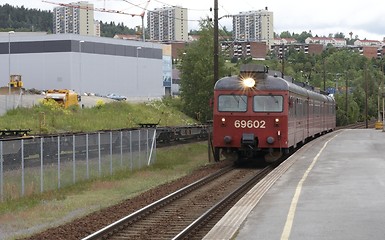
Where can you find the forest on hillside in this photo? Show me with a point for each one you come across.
(21, 19)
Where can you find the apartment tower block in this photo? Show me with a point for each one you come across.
(76, 18)
(167, 24)
(254, 26)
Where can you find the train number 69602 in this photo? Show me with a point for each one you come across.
(249, 124)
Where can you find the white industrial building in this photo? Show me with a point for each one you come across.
(85, 64)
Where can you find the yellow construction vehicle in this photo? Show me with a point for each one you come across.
(15, 81)
(64, 97)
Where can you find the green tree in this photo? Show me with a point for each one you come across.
(24, 19)
(302, 37)
(339, 35)
(285, 34)
(197, 75)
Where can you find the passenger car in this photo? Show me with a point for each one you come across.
(116, 97)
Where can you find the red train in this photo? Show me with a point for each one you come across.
(262, 114)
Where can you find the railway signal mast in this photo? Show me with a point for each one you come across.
(75, 5)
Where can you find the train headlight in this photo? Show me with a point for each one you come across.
(276, 122)
(248, 82)
(223, 121)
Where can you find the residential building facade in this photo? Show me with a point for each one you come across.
(254, 26)
(336, 42)
(242, 49)
(311, 48)
(284, 41)
(76, 18)
(167, 24)
(97, 28)
(369, 52)
(368, 43)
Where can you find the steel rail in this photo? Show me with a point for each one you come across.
(116, 226)
(184, 234)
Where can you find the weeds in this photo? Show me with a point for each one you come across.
(49, 118)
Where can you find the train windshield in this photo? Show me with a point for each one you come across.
(232, 103)
(268, 103)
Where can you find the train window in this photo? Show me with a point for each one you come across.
(268, 103)
(232, 103)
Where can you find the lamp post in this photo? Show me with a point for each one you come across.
(366, 95)
(80, 66)
(383, 111)
(346, 97)
(9, 61)
(137, 67)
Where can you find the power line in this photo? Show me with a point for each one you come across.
(191, 9)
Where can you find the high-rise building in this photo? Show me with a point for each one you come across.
(78, 19)
(254, 26)
(97, 28)
(167, 24)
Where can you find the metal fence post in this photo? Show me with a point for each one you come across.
(131, 156)
(88, 171)
(147, 145)
(152, 147)
(100, 158)
(58, 162)
(1, 172)
(139, 148)
(111, 153)
(73, 160)
(22, 168)
(155, 146)
(41, 166)
(121, 149)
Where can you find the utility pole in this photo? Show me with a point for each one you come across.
(283, 61)
(366, 95)
(346, 97)
(216, 45)
(324, 73)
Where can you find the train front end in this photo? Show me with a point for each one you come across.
(250, 119)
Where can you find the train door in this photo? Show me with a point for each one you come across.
(311, 117)
(291, 126)
(323, 114)
(300, 121)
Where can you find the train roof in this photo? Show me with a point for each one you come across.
(269, 80)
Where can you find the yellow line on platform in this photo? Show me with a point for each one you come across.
(293, 206)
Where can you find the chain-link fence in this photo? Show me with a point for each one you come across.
(34, 165)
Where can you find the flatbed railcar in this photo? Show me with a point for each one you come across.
(260, 114)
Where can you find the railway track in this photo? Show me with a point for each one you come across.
(185, 217)
(358, 125)
(183, 213)
(195, 227)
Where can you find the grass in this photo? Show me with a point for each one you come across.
(22, 216)
(42, 210)
(50, 118)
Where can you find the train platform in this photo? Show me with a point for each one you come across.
(331, 188)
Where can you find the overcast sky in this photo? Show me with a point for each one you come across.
(363, 18)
